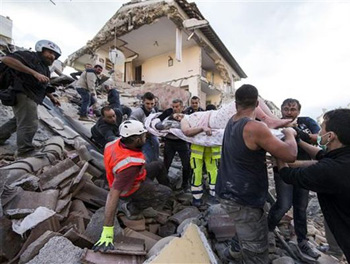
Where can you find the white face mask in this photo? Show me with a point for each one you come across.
(319, 139)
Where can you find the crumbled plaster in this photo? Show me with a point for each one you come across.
(192, 247)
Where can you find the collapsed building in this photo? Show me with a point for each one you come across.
(167, 42)
(52, 207)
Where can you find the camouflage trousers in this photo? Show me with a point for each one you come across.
(251, 231)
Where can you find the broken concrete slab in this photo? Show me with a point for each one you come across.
(91, 257)
(159, 246)
(79, 207)
(51, 178)
(137, 225)
(162, 217)
(186, 213)
(58, 250)
(182, 226)
(62, 203)
(167, 230)
(77, 220)
(283, 260)
(222, 226)
(34, 248)
(151, 235)
(129, 245)
(94, 229)
(153, 228)
(92, 194)
(149, 242)
(39, 215)
(10, 242)
(33, 200)
(27, 182)
(78, 239)
(192, 247)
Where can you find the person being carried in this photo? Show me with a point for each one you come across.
(130, 179)
(31, 76)
(106, 128)
(85, 86)
(242, 184)
(330, 176)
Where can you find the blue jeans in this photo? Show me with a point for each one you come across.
(151, 149)
(86, 101)
(288, 195)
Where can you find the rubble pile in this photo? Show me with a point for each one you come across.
(52, 206)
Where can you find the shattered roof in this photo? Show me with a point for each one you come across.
(135, 14)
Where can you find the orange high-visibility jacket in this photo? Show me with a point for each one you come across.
(118, 158)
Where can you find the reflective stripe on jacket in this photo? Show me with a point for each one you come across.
(118, 158)
(197, 151)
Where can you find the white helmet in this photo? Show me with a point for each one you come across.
(131, 128)
(47, 44)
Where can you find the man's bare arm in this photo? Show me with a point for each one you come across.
(259, 136)
(111, 206)
(302, 163)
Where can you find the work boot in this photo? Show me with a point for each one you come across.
(305, 247)
(196, 202)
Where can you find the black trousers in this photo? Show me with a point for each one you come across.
(181, 147)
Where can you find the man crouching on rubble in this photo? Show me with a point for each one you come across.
(242, 183)
(131, 179)
(330, 176)
(30, 78)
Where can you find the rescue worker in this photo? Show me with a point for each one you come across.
(31, 76)
(86, 87)
(199, 155)
(106, 128)
(130, 179)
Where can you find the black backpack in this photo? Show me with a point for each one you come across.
(7, 95)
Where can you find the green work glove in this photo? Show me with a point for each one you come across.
(106, 240)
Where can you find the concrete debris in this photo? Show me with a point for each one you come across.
(10, 242)
(137, 225)
(34, 248)
(129, 245)
(51, 178)
(63, 194)
(186, 213)
(222, 226)
(78, 239)
(149, 241)
(58, 250)
(192, 247)
(30, 221)
(91, 257)
(27, 182)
